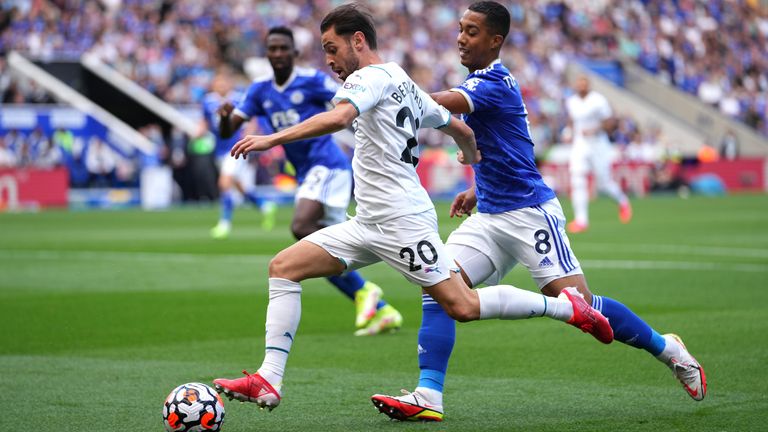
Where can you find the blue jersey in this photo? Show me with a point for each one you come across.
(306, 92)
(506, 178)
(211, 102)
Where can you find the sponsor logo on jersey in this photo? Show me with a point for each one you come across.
(421, 349)
(354, 88)
(546, 262)
(431, 269)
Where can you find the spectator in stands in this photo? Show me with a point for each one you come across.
(729, 145)
(101, 161)
(7, 156)
(14, 140)
(48, 156)
(174, 51)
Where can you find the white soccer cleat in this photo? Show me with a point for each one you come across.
(408, 407)
(685, 368)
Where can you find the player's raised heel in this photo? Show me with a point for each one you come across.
(408, 407)
(251, 388)
(686, 369)
(586, 318)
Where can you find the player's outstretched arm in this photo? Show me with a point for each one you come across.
(324, 123)
(455, 102)
(465, 139)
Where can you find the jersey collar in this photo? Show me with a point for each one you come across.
(288, 82)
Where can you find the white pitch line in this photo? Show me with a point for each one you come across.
(679, 249)
(672, 265)
(165, 257)
(154, 257)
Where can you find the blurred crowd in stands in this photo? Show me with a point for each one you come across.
(713, 49)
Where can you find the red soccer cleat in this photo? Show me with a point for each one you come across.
(409, 407)
(625, 212)
(252, 388)
(588, 319)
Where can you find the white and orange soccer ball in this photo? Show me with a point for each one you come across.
(193, 407)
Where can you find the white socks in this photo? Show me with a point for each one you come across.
(580, 199)
(283, 315)
(508, 302)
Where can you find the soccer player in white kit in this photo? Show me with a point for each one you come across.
(590, 118)
(395, 222)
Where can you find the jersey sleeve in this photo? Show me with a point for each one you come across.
(481, 94)
(435, 115)
(363, 89)
(250, 106)
(207, 114)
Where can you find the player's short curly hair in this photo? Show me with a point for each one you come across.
(348, 19)
(496, 16)
(281, 30)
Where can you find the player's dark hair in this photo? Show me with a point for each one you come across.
(496, 16)
(282, 30)
(348, 19)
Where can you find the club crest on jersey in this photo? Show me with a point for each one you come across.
(297, 97)
(432, 269)
(471, 84)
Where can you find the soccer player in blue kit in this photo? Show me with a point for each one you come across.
(234, 174)
(519, 219)
(323, 171)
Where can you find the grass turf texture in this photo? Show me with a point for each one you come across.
(103, 313)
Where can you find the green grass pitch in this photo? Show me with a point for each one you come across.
(103, 313)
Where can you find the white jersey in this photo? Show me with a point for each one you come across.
(588, 114)
(391, 109)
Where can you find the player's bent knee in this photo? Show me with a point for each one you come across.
(282, 267)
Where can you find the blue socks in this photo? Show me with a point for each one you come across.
(350, 283)
(227, 206)
(254, 198)
(437, 336)
(628, 327)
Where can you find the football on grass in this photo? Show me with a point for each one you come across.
(193, 407)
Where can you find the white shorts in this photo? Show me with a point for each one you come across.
(533, 236)
(410, 244)
(332, 188)
(594, 156)
(241, 169)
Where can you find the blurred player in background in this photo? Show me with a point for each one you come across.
(590, 121)
(395, 221)
(519, 221)
(236, 177)
(323, 171)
